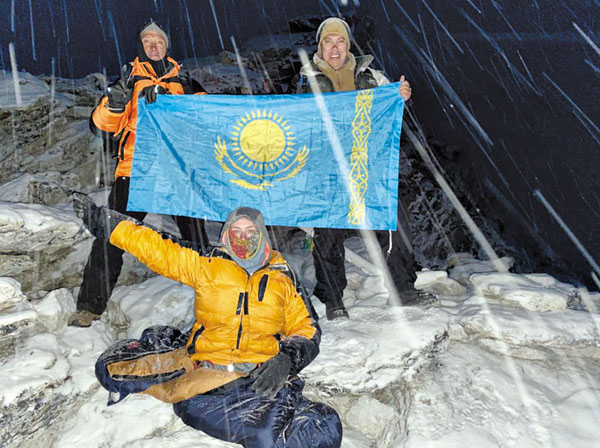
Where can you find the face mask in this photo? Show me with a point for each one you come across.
(244, 245)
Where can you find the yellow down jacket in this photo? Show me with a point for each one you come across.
(239, 317)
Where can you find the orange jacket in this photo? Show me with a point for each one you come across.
(124, 123)
(238, 317)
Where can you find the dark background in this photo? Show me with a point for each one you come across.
(513, 85)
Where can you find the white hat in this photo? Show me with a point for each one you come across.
(152, 27)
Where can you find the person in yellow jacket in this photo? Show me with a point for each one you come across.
(151, 73)
(254, 330)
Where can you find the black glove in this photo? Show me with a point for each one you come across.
(150, 92)
(272, 375)
(118, 96)
(100, 221)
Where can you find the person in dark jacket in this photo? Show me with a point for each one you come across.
(151, 73)
(333, 69)
(235, 377)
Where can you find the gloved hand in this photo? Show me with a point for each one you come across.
(100, 221)
(271, 376)
(118, 96)
(150, 92)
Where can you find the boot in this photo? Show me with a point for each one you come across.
(335, 309)
(416, 297)
(83, 318)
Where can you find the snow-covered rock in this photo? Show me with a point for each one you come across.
(476, 398)
(376, 420)
(10, 293)
(462, 272)
(438, 283)
(526, 292)
(16, 313)
(528, 328)
(27, 87)
(36, 244)
(44, 188)
(45, 379)
(55, 308)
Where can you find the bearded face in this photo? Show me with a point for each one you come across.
(244, 238)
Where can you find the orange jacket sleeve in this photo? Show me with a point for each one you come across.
(108, 121)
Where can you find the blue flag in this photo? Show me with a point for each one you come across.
(303, 160)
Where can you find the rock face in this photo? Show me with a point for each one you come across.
(41, 246)
(49, 131)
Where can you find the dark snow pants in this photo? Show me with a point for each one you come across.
(235, 413)
(329, 253)
(230, 410)
(105, 260)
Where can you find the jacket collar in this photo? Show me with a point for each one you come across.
(145, 69)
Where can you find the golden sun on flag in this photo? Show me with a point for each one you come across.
(262, 150)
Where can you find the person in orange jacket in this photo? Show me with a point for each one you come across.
(150, 74)
(255, 328)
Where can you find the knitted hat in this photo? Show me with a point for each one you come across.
(333, 25)
(152, 27)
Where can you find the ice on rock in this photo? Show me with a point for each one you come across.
(522, 291)
(55, 308)
(376, 420)
(462, 272)
(32, 89)
(16, 313)
(438, 283)
(10, 293)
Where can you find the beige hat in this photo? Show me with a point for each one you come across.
(333, 25)
(152, 27)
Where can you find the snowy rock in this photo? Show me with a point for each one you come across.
(347, 364)
(49, 131)
(523, 291)
(376, 420)
(51, 374)
(157, 301)
(16, 318)
(10, 293)
(37, 244)
(55, 308)
(225, 78)
(16, 314)
(31, 89)
(45, 188)
(462, 273)
(528, 328)
(438, 283)
(476, 398)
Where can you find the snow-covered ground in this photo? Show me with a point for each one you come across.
(501, 360)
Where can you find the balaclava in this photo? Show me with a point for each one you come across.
(160, 67)
(250, 253)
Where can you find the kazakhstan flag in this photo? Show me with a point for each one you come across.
(305, 160)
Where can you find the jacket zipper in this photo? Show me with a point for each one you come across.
(242, 307)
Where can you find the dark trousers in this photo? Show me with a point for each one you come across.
(329, 253)
(105, 261)
(235, 413)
